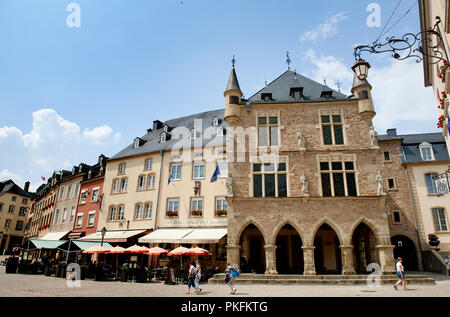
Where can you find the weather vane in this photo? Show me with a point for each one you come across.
(233, 61)
(338, 84)
(288, 60)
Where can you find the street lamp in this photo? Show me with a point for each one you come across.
(361, 68)
(103, 234)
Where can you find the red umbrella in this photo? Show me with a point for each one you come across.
(96, 249)
(117, 250)
(179, 251)
(136, 249)
(156, 251)
(198, 251)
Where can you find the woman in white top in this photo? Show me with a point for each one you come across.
(400, 274)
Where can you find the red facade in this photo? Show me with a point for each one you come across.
(88, 188)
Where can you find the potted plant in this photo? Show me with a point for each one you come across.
(433, 240)
(124, 274)
(172, 213)
(196, 212)
(440, 123)
(221, 212)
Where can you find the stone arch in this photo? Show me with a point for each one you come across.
(332, 224)
(250, 220)
(280, 226)
(364, 237)
(368, 223)
(252, 242)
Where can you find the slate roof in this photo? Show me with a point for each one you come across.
(280, 89)
(152, 138)
(411, 142)
(10, 187)
(233, 83)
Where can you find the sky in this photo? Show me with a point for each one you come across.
(68, 94)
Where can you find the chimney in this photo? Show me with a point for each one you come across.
(157, 125)
(392, 132)
(149, 130)
(26, 187)
(100, 159)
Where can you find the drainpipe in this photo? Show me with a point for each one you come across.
(161, 153)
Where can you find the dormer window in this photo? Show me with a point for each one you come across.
(90, 174)
(220, 131)
(296, 93)
(80, 167)
(73, 170)
(326, 94)
(163, 138)
(266, 96)
(426, 151)
(215, 121)
(136, 143)
(166, 128)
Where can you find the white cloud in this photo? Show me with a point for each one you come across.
(53, 143)
(101, 135)
(324, 30)
(400, 99)
(330, 68)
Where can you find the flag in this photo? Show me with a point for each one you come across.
(43, 178)
(170, 176)
(216, 173)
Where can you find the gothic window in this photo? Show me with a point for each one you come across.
(338, 178)
(269, 180)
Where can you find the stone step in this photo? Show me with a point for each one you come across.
(320, 282)
(317, 279)
(221, 276)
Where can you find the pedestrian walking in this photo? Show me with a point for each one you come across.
(198, 276)
(400, 273)
(191, 277)
(230, 274)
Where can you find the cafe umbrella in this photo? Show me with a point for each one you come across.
(180, 251)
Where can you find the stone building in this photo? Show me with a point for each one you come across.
(307, 195)
(15, 205)
(411, 163)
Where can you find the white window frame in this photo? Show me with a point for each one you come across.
(142, 179)
(90, 214)
(77, 223)
(123, 188)
(163, 138)
(83, 196)
(64, 216)
(94, 197)
(115, 185)
(69, 191)
(72, 214)
(121, 212)
(442, 221)
(267, 126)
(122, 168)
(112, 211)
(77, 190)
(174, 176)
(197, 204)
(139, 211)
(55, 221)
(221, 200)
(148, 210)
(172, 203)
(426, 146)
(151, 181)
(198, 171)
(148, 166)
(61, 193)
(215, 121)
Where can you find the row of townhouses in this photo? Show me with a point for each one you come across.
(293, 179)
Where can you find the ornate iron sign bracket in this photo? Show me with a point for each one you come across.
(427, 44)
(442, 182)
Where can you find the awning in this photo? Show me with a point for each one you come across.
(205, 235)
(77, 245)
(112, 236)
(55, 235)
(44, 244)
(165, 236)
(74, 235)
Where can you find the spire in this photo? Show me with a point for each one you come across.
(233, 83)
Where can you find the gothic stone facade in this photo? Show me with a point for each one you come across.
(329, 229)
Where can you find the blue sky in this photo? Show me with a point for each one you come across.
(69, 94)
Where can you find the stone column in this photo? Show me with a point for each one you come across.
(347, 260)
(386, 256)
(8, 238)
(233, 253)
(308, 260)
(271, 259)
